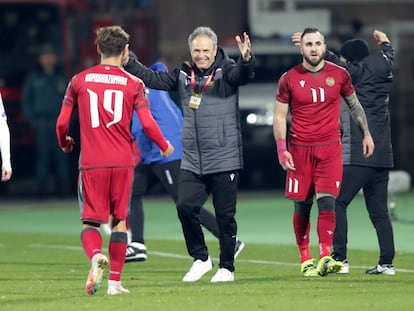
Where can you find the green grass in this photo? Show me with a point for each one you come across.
(44, 268)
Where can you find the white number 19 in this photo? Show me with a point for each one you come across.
(112, 103)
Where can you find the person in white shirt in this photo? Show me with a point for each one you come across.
(6, 170)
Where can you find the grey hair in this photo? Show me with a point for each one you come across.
(202, 31)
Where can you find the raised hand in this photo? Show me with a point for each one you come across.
(244, 46)
(380, 36)
(296, 38)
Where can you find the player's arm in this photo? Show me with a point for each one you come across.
(358, 115)
(153, 131)
(62, 124)
(150, 127)
(279, 132)
(62, 129)
(6, 170)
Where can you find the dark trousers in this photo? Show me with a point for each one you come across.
(50, 160)
(374, 182)
(193, 191)
(145, 177)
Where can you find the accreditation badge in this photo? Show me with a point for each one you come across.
(195, 101)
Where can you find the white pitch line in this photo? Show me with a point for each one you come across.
(179, 256)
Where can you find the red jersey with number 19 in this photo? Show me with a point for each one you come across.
(105, 97)
(314, 99)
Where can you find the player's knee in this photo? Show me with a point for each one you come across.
(88, 223)
(303, 208)
(119, 237)
(326, 203)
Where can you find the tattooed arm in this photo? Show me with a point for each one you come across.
(358, 114)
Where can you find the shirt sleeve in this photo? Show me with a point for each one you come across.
(283, 94)
(150, 127)
(62, 123)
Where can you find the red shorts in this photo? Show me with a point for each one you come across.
(318, 170)
(104, 192)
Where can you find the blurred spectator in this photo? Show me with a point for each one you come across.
(43, 92)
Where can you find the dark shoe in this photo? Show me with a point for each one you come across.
(136, 252)
(238, 248)
(385, 269)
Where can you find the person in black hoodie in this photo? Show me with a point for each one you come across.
(212, 143)
(372, 78)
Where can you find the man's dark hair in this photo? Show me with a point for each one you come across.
(309, 30)
(111, 40)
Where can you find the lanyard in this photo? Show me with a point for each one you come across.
(203, 89)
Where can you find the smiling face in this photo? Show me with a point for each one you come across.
(203, 52)
(313, 49)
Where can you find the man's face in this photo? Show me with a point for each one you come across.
(313, 48)
(48, 59)
(203, 52)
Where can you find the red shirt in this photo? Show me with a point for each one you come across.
(105, 97)
(314, 100)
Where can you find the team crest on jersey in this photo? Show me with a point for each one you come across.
(330, 81)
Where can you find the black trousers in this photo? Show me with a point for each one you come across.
(145, 177)
(374, 182)
(193, 191)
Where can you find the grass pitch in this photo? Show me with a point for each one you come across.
(44, 268)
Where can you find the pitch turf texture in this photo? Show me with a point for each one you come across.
(44, 268)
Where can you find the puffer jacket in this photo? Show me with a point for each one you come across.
(211, 134)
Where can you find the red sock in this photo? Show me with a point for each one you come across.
(326, 228)
(117, 250)
(301, 226)
(91, 241)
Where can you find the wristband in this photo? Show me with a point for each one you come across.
(281, 148)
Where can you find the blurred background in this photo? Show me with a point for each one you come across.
(159, 30)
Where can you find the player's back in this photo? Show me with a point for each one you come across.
(106, 97)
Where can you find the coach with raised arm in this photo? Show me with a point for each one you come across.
(212, 142)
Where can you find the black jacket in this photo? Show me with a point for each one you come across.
(372, 78)
(211, 134)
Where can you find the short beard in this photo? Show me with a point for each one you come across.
(313, 63)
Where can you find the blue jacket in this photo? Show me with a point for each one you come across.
(170, 120)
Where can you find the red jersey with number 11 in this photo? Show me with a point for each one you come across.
(314, 99)
(105, 97)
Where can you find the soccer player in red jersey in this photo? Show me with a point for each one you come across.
(105, 97)
(312, 92)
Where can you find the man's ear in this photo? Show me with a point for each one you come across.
(98, 49)
(125, 52)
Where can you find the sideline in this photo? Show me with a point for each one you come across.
(180, 256)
